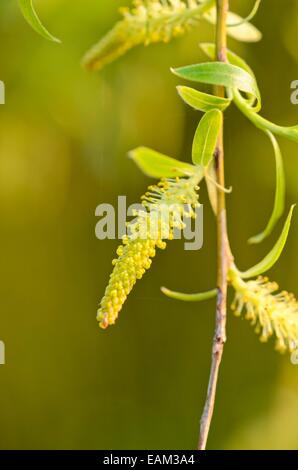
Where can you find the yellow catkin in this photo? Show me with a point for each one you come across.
(270, 312)
(146, 22)
(163, 208)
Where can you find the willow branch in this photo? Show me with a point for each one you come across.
(223, 252)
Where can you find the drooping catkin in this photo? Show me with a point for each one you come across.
(163, 209)
(270, 312)
(148, 21)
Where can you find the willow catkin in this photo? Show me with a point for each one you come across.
(163, 209)
(270, 312)
(148, 21)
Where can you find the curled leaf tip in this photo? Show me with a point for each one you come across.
(32, 18)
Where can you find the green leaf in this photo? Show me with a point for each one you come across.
(210, 50)
(31, 17)
(244, 32)
(189, 297)
(156, 165)
(206, 136)
(202, 101)
(222, 74)
(279, 201)
(273, 255)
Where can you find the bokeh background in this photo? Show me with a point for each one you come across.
(64, 136)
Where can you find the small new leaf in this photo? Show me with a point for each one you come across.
(156, 165)
(279, 200)
(31, 17)
(205, 139)
(273, 255)
(202, 101)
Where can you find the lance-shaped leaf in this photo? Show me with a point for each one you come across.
(206, 136)
(156, 165)
(189, 297)
(222, 74)
(239, 28)
(273, 255)
(210, 50)
(279, 200)
(202, 101)
(31, 17)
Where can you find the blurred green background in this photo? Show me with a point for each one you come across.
(64, 136)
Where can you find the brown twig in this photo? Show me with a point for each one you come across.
(223, 252)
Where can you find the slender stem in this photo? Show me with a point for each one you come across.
(223, 251)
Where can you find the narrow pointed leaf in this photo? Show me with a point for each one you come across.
(252, 100)
(205, 139)
(202, 101)
(222, 74)
(189, 297)
(244, 32)
(279, 201)
(273, 255)
(31, 17)
(156, 165)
